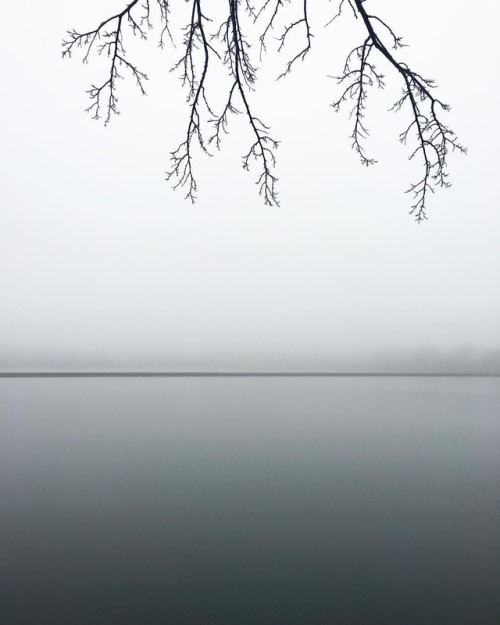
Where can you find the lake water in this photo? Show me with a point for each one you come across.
(248, 501)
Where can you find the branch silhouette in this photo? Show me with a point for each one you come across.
(228, 44)
(434, 140)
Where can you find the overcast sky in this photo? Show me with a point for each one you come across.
(103, 264)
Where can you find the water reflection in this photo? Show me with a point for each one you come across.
(249, 501)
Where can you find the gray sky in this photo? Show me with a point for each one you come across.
(103, 264)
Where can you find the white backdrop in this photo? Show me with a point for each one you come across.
(103, 264)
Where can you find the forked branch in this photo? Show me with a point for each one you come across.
(237, 60)
(107, 39)
(229, 44)
(434, 140)
(193, 75)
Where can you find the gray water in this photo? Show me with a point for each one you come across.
(245, 501)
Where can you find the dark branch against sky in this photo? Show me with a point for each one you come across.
(206, 42)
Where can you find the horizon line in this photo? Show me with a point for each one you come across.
(235, 374)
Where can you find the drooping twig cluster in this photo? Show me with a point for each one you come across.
(226, 42)
(243, 75)
(107, 40)
(195, 38)
(434, 140)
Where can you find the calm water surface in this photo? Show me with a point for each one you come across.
(244, 501)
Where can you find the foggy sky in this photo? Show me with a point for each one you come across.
(102, 263)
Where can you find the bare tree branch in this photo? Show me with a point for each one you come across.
(237, 59)
(107, 39)
(304, 20)
(195, 78)
(229, 44)
(434, 139)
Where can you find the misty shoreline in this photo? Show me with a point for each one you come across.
(238, 374)
(164, 361)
